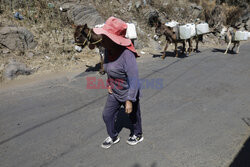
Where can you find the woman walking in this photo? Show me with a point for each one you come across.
(124, 89)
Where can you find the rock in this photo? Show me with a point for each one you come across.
(152, 17)
(13, 69)
(30, 55)
(195, 6)
(245, 17)
(196, 10)
(17, 38)
(247, 25)
(81, 15)
(1, 67)
(51, 5)
(155, 44)
(138, 4)
(64, 7)
(130, 6)
(196, 13)
(18, 16)
(138, 44)
(238, 25)
(5, 51)
(121, 1)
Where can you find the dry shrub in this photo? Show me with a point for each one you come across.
(233, 14)
(174, 10)
(208, 5)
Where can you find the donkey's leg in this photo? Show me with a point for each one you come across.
(164, 51)
(197, 43)
(238, 47)
(229, 43)
(175, 49)
(184, 47)
(102, 69)
(190, 49)
(233, 47)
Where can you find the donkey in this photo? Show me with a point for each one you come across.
(197, 39)
(85, 36)
(171, 37)
(227, 33)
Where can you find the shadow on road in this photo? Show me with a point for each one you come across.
(154, 164)
(90, 69)
(243, 157)
(170, 54)
(223, 50)
(123, 121)
(97, 67)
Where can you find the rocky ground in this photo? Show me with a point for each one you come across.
(40, 39)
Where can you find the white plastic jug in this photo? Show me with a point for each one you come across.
(202, 28)
(193, 29)
(185, 32)
(131, 31)
(241, 36)
(99, 25)
(171, 24)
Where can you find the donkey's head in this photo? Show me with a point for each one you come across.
(223, 31)
(84, 35)
(81, 36)
(158, 30)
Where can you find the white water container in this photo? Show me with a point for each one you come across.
(171, 24)
(241, 36)
(131, 31)
(246, 35)
(99, 25)
(202, 28)
(193, 29)
(185, 32)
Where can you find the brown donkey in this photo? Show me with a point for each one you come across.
(171, 37)
(85, 36)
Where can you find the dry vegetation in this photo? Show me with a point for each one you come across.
(54, 33)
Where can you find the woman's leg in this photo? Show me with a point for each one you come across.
(109, 115)
(135, 118)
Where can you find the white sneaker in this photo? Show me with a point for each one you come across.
(108, 142)
(135, 140)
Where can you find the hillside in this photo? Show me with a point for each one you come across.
(40, 38)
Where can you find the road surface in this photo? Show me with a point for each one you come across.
(194, 119)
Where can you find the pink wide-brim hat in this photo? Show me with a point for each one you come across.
(116, 29)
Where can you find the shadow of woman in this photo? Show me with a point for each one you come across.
(97, 67)
(123, 121)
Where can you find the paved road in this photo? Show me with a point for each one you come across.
(195, 120)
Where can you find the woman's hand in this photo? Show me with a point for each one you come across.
(128, 107)
(109, 90)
